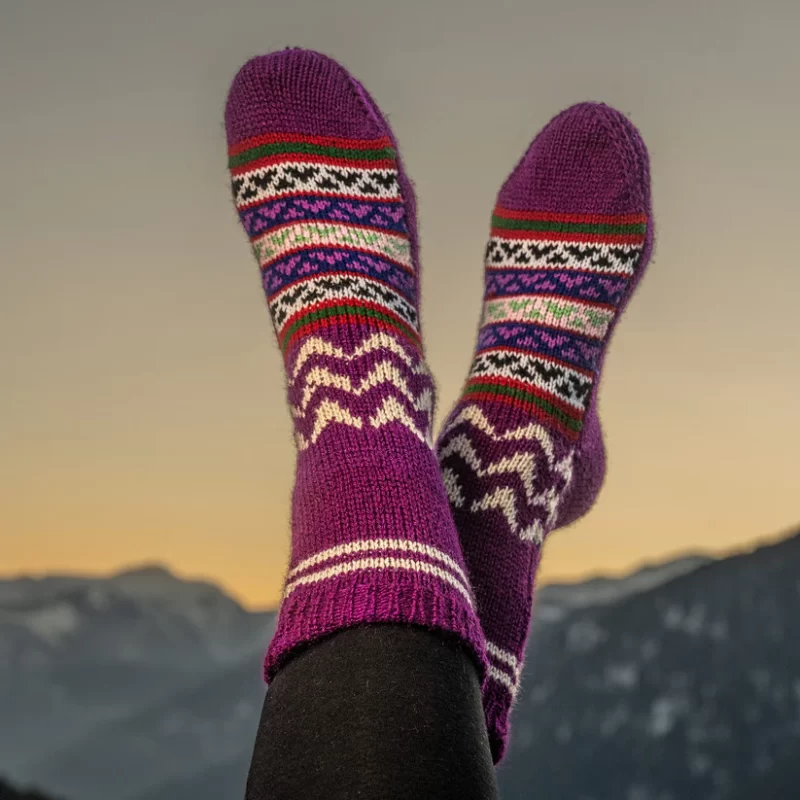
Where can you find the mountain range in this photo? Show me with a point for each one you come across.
(678, 682)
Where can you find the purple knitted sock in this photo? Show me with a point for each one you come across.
(330, 213)
(522, 452)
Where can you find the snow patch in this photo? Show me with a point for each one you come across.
(584, 636)
(664, 714)
(622, 676)
(51, 624)
(564, 732)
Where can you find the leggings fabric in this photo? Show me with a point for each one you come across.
(384, 712)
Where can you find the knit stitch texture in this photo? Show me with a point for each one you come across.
(522, 452)
(322, 195)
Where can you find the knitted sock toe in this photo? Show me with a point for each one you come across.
(522, 452)
(329, 211)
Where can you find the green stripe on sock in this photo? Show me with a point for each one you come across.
(528, 397)
(566, 227)
(335, 311)
(306, 148)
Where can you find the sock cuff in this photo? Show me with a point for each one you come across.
(319, 609)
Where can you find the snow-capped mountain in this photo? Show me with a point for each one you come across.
(689, 690)
(555, 600)
(146, 615)
(76, 652)
(679, 682)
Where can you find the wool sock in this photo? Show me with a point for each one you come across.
(522, 452)
(330, 213)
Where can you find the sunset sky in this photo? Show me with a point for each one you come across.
(142, 415)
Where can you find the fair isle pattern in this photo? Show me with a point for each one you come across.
(524, 483)
(375, 344)
(327, 224)
(384, 215)
(321, 260)
(334, 289)
(553, 285)
(328, 227)
(295, 178)
(298, 236)
(522, 451)
(329, 384)
(570, 384)
(599, 289)
(330, 215)
(590, 319)
(605, 259)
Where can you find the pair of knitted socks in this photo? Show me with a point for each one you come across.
(388, 526)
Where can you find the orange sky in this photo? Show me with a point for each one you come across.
(142, 414)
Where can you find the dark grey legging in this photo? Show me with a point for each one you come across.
(379, 712)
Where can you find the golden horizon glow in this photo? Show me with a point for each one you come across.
(142, 415)
(254, 599)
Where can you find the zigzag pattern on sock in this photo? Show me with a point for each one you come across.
(330, 214)
(327, 225)
(524, 484)
(521, 452)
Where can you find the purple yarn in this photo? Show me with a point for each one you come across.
(373, 539)
(515, 475)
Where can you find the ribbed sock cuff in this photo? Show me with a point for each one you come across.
(320, 609)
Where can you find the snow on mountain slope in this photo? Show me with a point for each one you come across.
(679, 681)
(555, 600)
(77, 652)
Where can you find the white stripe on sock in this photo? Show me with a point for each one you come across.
(504, 678)
(384, 562)
(506, 657)
(365, 545)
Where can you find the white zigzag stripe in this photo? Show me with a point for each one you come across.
(384, 372)
(328, 412)
(505, 657)
(530, 432)
(315, 346)
(409, 545)
(504, 499)
(384, 562)
(504, 678)
(392, 411)
(454, 494)
(520, 463)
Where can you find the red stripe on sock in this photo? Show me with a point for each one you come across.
(587, 219)
(322, 141)
(346, 321)
(310, 158)
(582, 238)
(531, 388)
(356, 197)
(529, 409)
